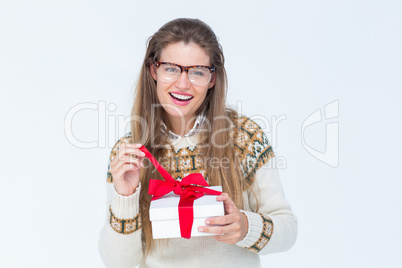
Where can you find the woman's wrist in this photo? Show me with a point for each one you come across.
(126, 207)
(125, 192)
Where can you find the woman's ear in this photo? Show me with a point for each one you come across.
(213, 80)
(152, 68)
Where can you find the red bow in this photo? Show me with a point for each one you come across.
(187, 189)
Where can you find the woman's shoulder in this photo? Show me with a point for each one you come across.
(246, 131)
(252, 146)
(243, 123)
(124, 139)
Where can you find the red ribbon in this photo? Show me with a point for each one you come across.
(187, 189)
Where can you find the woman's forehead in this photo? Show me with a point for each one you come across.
(185, 54)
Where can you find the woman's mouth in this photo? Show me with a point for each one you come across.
(180, 99)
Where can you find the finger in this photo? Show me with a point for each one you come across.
(127, 167)
(118, 174)
(137, 162)
(219, 230)
(223, 220)
(127, 160)
(227, 238)
(233, 228)
(124, 158)
(126, 148)
(229, 205)
(133, 145)
(134, 161)
(129, 151)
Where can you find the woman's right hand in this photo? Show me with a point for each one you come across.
(125, 168)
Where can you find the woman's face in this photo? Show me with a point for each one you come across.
(181, 98)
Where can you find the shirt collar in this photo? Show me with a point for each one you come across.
(196, 128)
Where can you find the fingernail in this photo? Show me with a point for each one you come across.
(200, 229)
(207, 222)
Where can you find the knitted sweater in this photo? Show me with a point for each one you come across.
(271, 228)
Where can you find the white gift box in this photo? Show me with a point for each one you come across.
(164, 214)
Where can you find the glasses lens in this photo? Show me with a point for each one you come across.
(169, 73)
(199, 76)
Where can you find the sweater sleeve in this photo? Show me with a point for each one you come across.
(120, 243)
(273, 227)
(272, 224)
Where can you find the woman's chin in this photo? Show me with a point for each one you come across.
(176, 114)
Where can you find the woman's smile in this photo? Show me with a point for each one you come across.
(181, 99)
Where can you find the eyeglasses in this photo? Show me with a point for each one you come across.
(199, 75)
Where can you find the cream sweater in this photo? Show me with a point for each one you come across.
(273, 228)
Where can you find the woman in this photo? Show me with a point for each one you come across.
(179, 114)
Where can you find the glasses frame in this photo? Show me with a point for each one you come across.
(186, 69)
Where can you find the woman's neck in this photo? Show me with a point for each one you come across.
(181, 126)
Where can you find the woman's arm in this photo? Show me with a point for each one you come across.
(120, 243)
(273, 227)
(270, 228)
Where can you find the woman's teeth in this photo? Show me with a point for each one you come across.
(181, 97)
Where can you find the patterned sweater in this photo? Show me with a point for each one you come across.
(272, 228)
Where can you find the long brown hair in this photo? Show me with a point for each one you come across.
(148, 116)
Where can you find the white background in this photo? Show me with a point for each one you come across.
(283, 58)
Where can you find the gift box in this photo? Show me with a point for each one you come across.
(178, 208)
(164, 214)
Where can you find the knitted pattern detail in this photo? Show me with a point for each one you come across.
(252, 146)
(267, 230)
(183, 162)
(124, 226)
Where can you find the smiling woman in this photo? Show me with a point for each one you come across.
(181, 94)
(184, 122)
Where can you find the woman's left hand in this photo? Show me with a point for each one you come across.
(232, 227)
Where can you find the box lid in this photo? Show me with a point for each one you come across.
(166, 207)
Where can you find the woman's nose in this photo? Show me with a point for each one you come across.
(183, 81)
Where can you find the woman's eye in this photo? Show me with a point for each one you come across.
(199, 72)
(170, 70)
